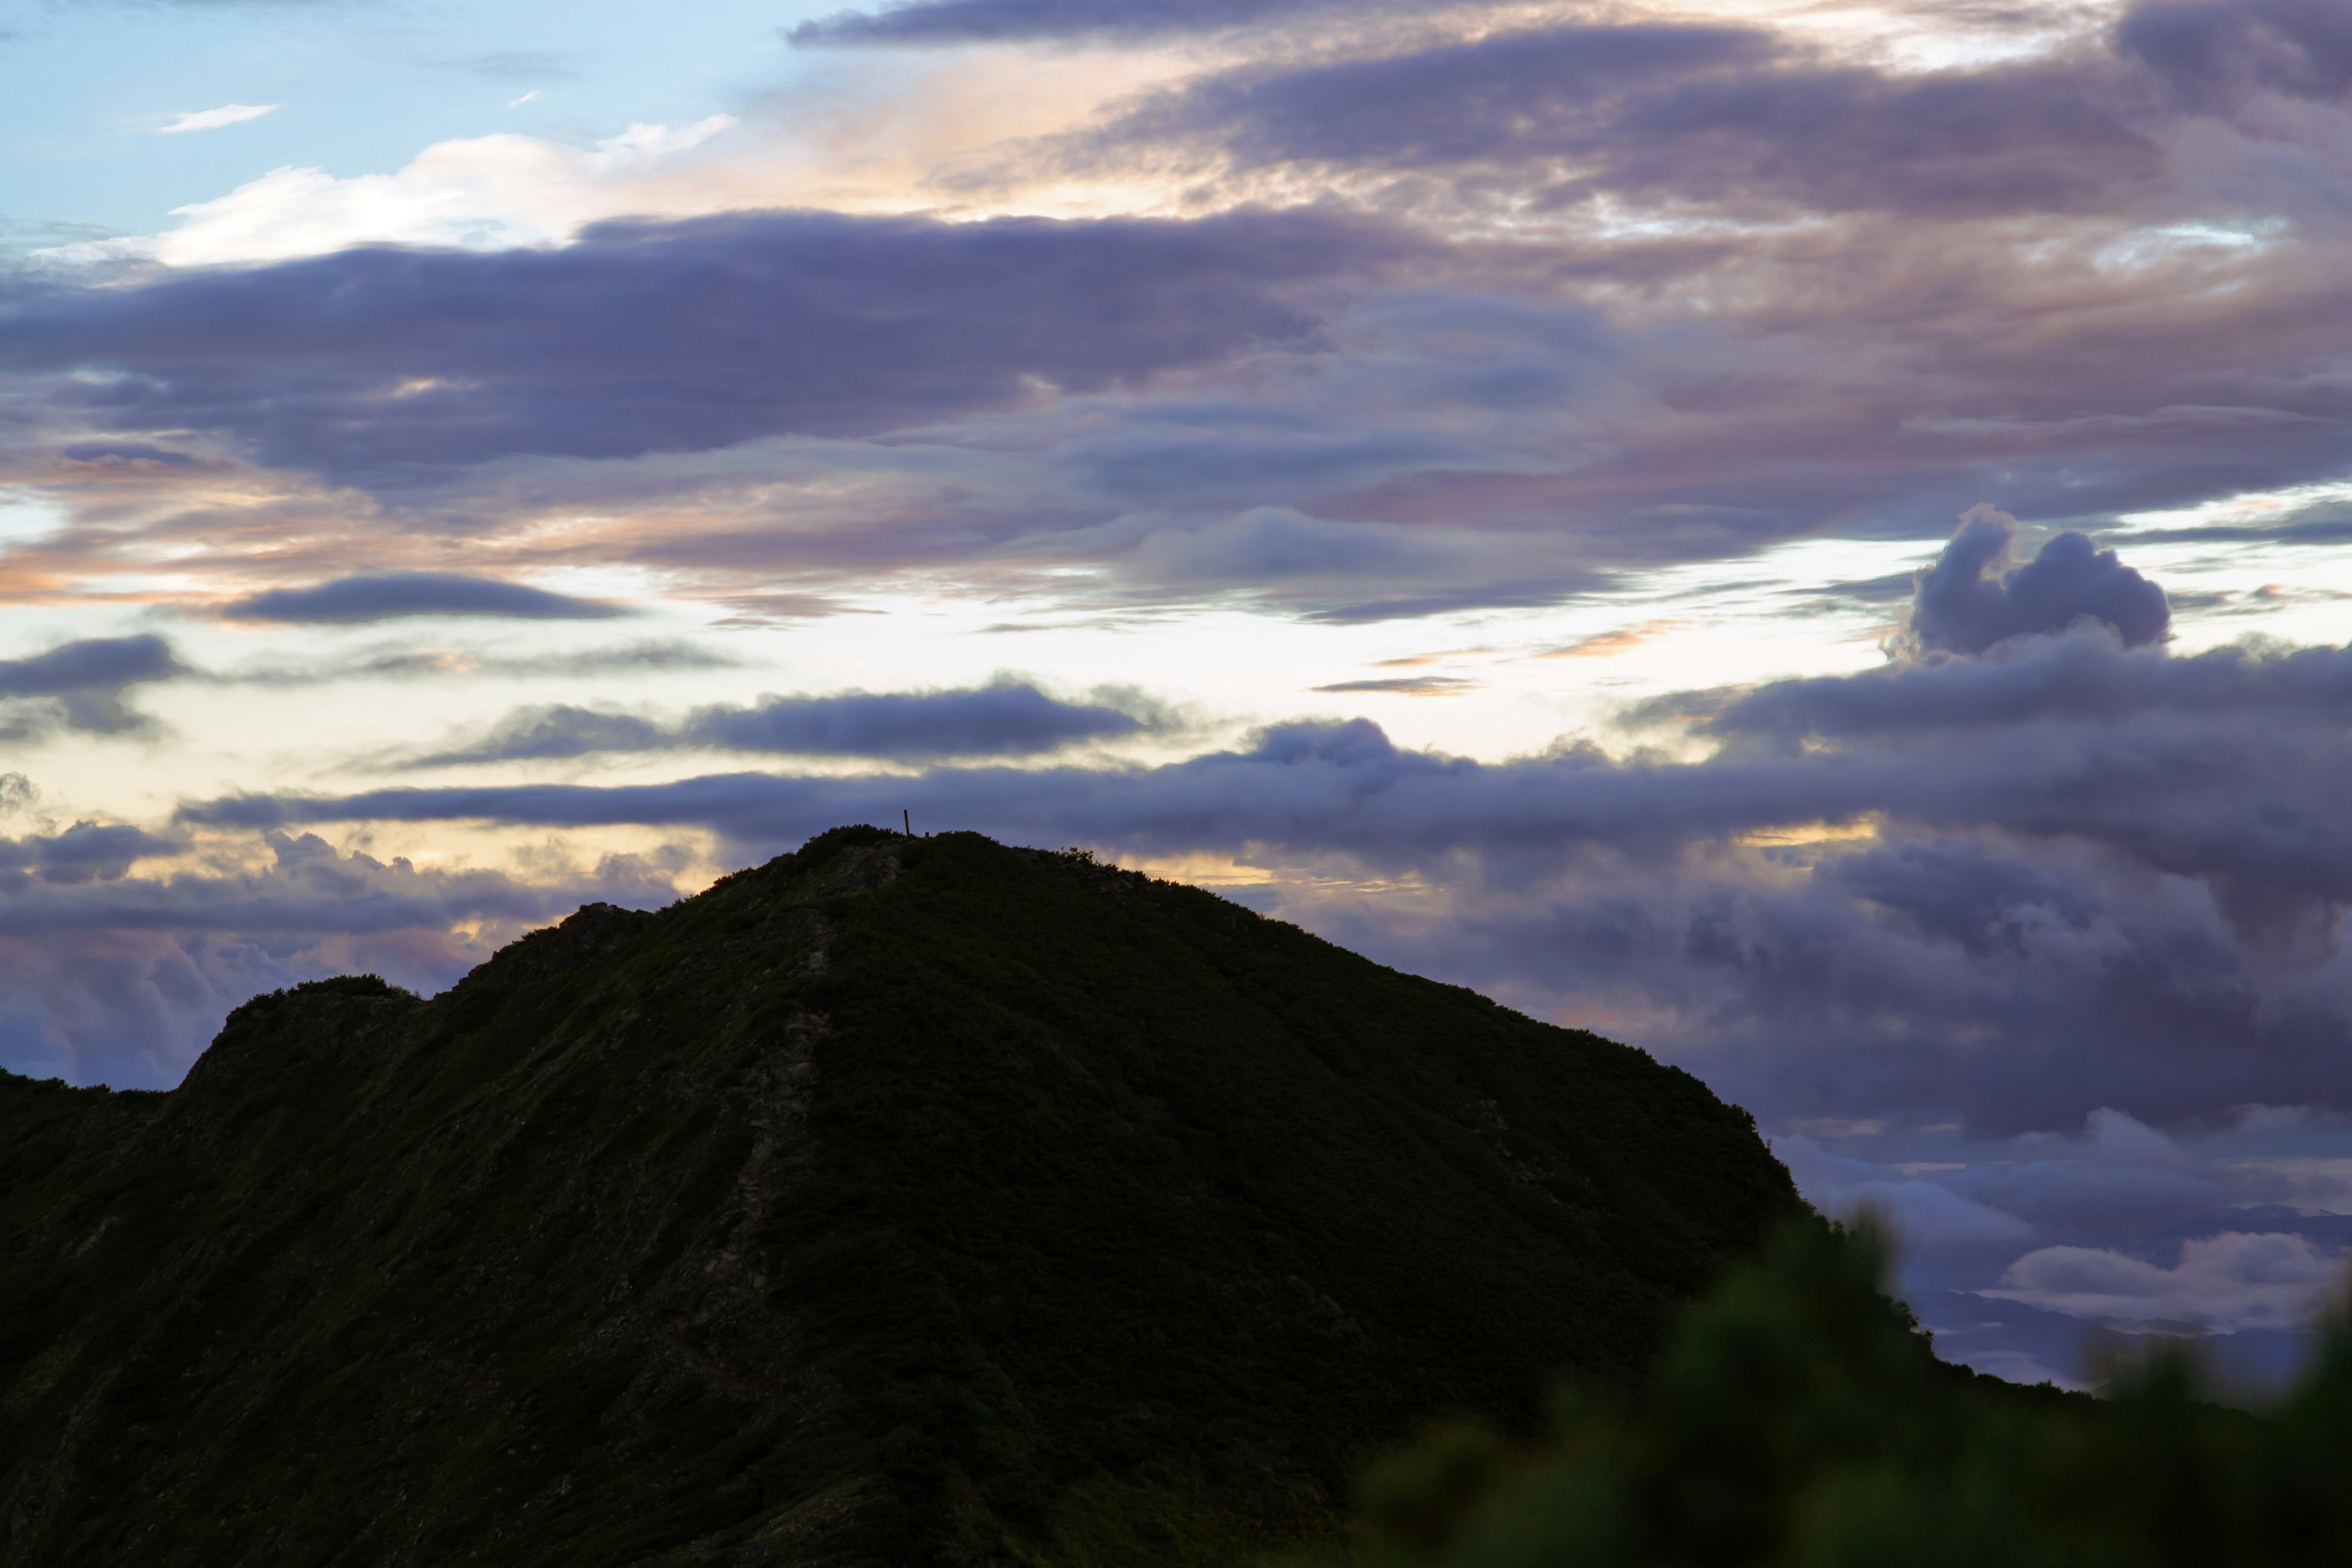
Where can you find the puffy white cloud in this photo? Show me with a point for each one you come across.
(485, 191)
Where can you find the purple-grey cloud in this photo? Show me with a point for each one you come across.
(1404, 686)
(81, 685)
(685, 336)
(86, 852)
(2071, 683)
(1974, 596)
(1271, 407)
(1007, 718)
(1709, 112)
(2085, 919)
(388, 596)
(2219, 51)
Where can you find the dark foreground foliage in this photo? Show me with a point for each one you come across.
(904, 1201)
(1800, 1421)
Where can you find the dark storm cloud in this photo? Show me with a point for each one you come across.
(1696, 111)
(385, 595)
(1974, 596)
(1009, 719)
(81, 685)
(673, 337)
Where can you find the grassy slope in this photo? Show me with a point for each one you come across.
(900, 1201)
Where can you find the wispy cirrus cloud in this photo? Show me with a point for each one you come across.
(215, 119)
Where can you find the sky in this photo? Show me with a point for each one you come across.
(1809, 537)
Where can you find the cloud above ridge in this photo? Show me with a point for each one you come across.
(1005, 718)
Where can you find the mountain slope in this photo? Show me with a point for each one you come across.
(899, 1201)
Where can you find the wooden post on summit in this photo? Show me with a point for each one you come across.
(907, 822)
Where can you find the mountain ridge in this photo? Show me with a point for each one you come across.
(901, 1200)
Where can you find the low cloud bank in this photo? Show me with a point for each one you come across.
(2227, 1282)
(2008, 889)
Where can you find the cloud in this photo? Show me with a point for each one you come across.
(401, 662)
(541, 735)
(1609, 644)
(214, 118)
(2229, 1281)
(1584, 300)
(678, 337)
(2217, 52)
(384, 596)
(1960, 609)
(2082, 679)
(1007, 718)
(86, 852)
(1406, 686)
(1684, 110)
(122, 979)
(81, 685)
(1923, 1211)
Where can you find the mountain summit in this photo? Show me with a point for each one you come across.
(900, 1201)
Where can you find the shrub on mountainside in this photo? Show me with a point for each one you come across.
(1802, 1420)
